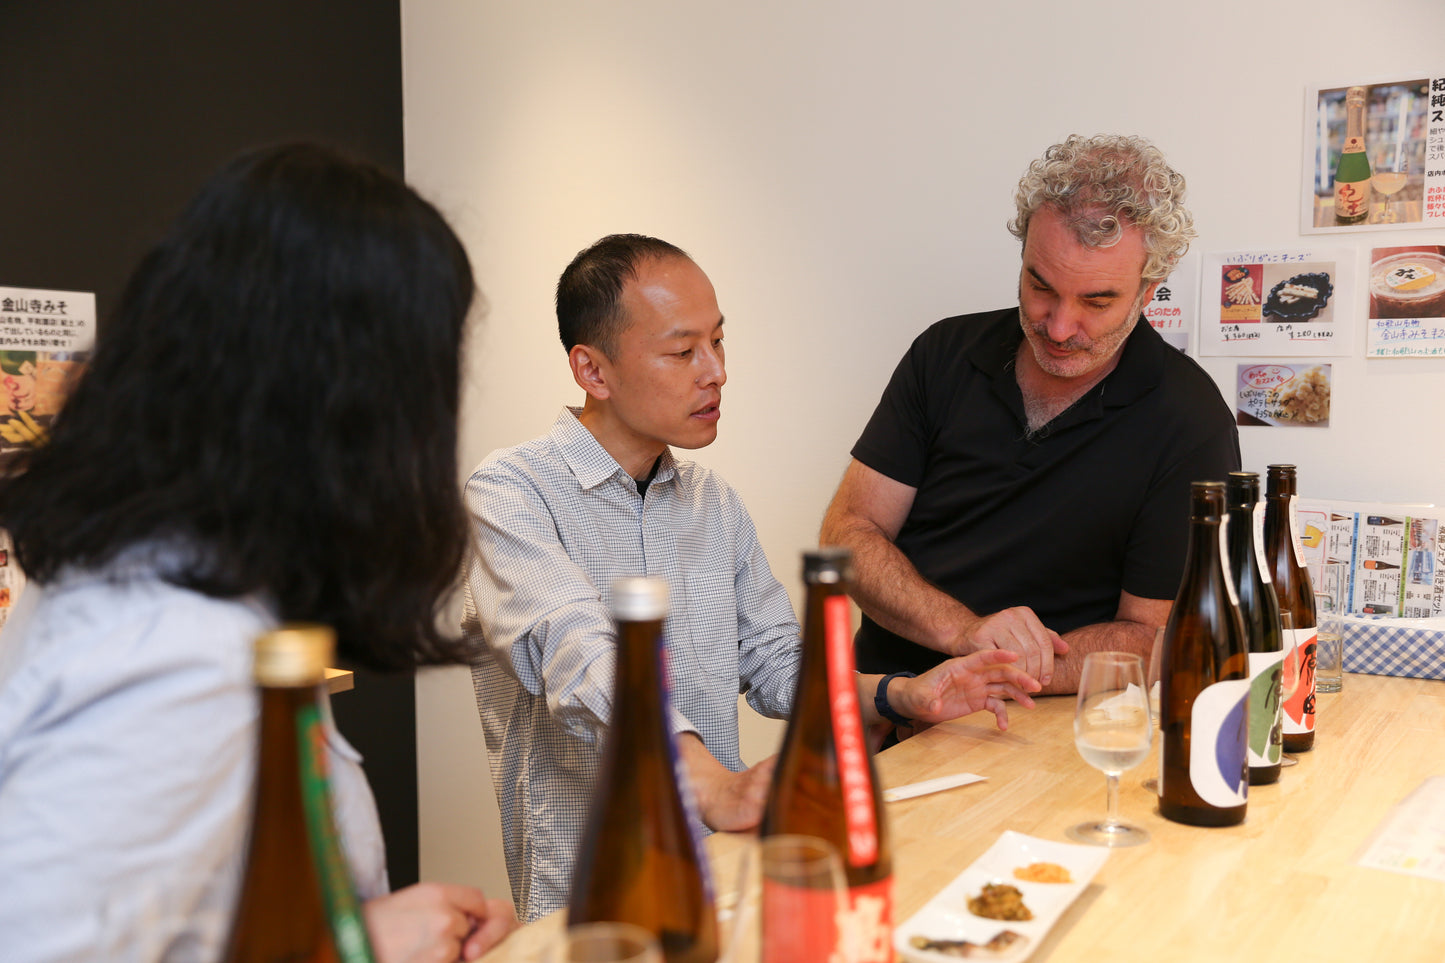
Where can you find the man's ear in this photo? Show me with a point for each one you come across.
(589, 370)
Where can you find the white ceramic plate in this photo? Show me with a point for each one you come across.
(946, 916)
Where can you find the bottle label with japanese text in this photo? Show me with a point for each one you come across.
(1299, 708)
(343, 910)
(1266, 731)
(801, 923)
(859, 814)
(1218, 764)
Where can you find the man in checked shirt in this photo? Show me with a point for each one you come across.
(601, 495)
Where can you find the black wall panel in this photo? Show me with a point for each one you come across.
(112, 112)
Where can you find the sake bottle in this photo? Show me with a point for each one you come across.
(1352, 171)
(1204, 683)
(1284, 555)
(825, 784)
(297, 901)
(1260, 611)
(641, 860)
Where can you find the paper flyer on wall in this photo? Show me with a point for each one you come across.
(12, 580)
(1280, 395)
(1391, 558)
(1172, 309)
(1374, 155)
(1294, 302)
(1406, 310)
(45, 339)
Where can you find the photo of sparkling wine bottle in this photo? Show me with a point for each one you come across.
(1204, 683)
(297, 901)
(1352, 172)
(825, 784)
(1284, 555)
(641, 860)
(1259, 608)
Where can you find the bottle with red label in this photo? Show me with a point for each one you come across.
(825, 784)
(1284, 553)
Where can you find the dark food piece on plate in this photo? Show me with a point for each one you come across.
(963, 949)
(1000, 901)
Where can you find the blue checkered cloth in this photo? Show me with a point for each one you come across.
(1388, 646)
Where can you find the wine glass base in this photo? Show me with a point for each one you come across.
(1286, 760)
(1100, 832)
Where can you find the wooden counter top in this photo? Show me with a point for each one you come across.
(1282, 886)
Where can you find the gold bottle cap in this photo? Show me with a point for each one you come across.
(639, 599)
(294, 655)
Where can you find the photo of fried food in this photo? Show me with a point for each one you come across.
(1305, 398)
(1000, 901)
(1043, 873)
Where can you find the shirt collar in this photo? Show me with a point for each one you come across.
(590, 462)
(1141, 363)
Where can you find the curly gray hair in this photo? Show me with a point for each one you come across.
(1101, 184)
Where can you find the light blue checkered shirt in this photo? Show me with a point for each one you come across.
(555, 521)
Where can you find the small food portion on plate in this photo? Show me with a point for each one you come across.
(1000, 901)
(1043, 873)
(966, 950)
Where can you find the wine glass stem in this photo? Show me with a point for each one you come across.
(1112, 780)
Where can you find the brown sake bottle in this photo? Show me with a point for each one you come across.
(297, 901)
(1260, 610)
(825, 784)
(1204, 684)
(1284, 554)
(641, 861)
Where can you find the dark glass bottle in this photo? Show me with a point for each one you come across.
(1259, 609)
(297, 901)
(641, 861)
(825, 784)
(1284, 554)
(1204, 685)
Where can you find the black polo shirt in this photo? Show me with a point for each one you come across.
(1095, 503)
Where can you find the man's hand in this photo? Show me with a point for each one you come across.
(726, 800)
(436, 923)
(957, 687)
(1015, 630)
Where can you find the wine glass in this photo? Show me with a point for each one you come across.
(605, 943)
(1112, 731)
(1389, 168)
(794, 892)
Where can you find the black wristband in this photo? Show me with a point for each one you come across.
(880, 699)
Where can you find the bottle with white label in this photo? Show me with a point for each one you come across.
(1260, 610)
(1284, 556)
(825, 784)
(1204, 684)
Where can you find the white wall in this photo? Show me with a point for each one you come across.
(843, 172)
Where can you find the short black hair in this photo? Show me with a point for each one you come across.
(589, 293)
(277, 391)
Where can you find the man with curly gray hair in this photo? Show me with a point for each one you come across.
(1024, 482)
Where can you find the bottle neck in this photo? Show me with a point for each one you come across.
(638, 691)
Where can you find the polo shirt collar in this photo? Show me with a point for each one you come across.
(1140, 365)
(589, 461)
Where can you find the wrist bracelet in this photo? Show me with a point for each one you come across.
(880, 699)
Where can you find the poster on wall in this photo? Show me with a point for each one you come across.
(1171, 311)
(1280, 395)
(1374, 156)
(1290, 303)
(1406, 309)
(45, 339)
(11, 578)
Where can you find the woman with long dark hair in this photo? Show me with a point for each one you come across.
(266, 433)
